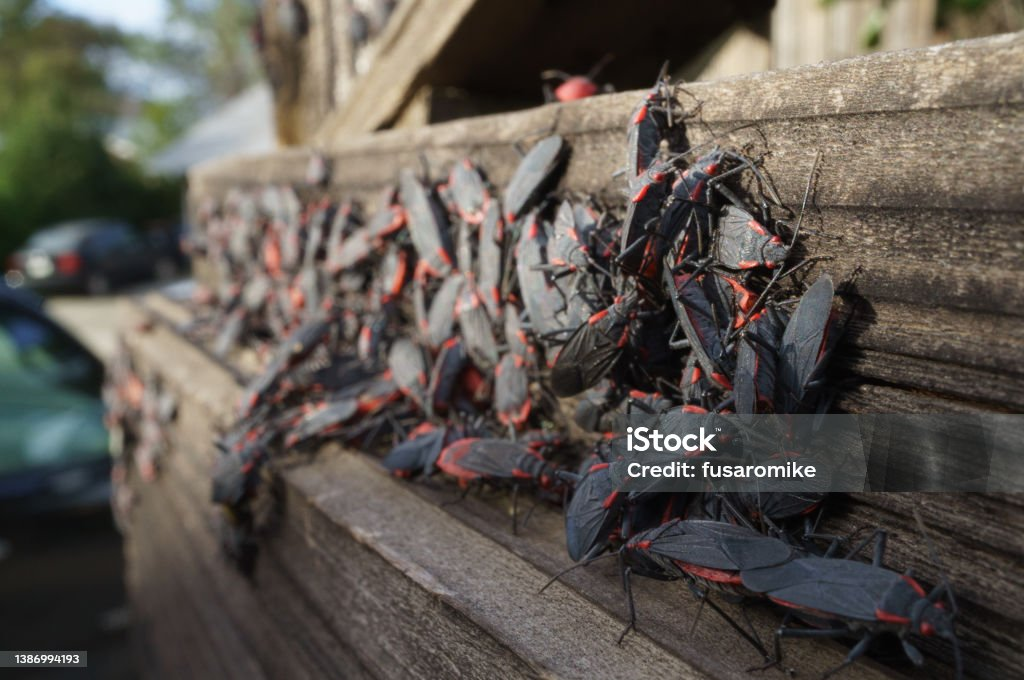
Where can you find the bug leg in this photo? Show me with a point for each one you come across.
(461, 497)
(753, 167)
(855, 653)
(704, 597)
(529, 513)
(879, 536)
(630, 604)
(515, 510)
(787, 632)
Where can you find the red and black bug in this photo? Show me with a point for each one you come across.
(436, 326)
(498, 462)
(512, 401)
(573, 87)
(805, 348)
(648, 126)
(594, 347)
(469, 193)
(409, 369)
(394, 274)
(323, 419)
(476, 328)
(418, 454)
(354, 250)
(545, 303)
(343, 223)
(444, 378)
(847, 598)
(389, 218)
(756, 364)
(705, 326)
(741, 242)
(490, 259)
(516, 337)
(292, 350)
(638, 250)
(593, 512)
(428, 225)
(533, 175)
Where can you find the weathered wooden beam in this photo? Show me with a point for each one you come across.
(917, 197)
(365, 572)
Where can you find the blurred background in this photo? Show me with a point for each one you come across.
(105, 104)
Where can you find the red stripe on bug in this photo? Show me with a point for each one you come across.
(713, 575)
(915, 585)
(445, 257)
(886, 617)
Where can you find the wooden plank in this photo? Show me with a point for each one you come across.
(410, 43)
(350, 531)
(175, 538)
(932, 257)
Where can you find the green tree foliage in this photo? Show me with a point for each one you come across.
(208, 50)
(56, 107)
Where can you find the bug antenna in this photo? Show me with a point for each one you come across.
(696, 618)
(807, 195)
(958, 659)
(599, 66)
(574, 567)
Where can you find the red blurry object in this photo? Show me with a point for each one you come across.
(577, 87)
(68, 263)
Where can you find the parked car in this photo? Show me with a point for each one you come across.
(93, 255)
(54, 451)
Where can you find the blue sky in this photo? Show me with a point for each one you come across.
(146, 16)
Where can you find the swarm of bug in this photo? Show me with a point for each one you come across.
(446, 326)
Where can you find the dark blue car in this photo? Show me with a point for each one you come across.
(54, 451)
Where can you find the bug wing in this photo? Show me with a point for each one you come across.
(845, 588)
(415, 456)
(736, 244)
(467, 188)
(353, 250)
(757, 365)
(409, 368)
(544, 302)
(591, 513)
(532, 173)
(803, 342)
(476, 328)
(511, 390)
(317, 422)
(489, 261)
(428, 223)
(699, 321)
(441, 317)
(445, 374)
(583, 360)
(494, 458)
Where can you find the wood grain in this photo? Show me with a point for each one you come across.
(362, 561)
(917, 203)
